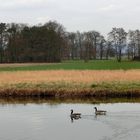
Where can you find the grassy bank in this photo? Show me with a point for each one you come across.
(64, 89)
(70, 83)
(71, 79)
(73, 65)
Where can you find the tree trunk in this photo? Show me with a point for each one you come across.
(120, 55)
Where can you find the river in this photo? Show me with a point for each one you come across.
(51, 121)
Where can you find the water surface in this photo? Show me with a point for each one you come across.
(51, 121)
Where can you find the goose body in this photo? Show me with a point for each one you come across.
(99, 112)
(75, 115)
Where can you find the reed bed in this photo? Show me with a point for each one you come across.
(78, 76)
(70, 83)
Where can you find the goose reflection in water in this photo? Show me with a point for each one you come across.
(75, 116)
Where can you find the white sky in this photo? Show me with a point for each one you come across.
(83, 15)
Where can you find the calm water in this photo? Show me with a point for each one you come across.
(48, 121)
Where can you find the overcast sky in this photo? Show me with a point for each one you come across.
(83, 15)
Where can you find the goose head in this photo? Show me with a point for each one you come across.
(95, 108)
(71, 111)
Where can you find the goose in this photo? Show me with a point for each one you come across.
(75, 115)
(99, 112)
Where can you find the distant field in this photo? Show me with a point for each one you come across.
(72, 65)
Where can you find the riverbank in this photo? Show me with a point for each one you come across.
(70, 83)
(67, 90)
(57, 101)
(95, 90)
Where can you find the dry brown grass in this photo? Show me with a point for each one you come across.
(23, 64)
(81, 76)
(62, 83)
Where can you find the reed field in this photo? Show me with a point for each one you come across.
(70, 76)
(67, 83)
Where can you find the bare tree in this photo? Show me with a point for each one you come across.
(131, 50)
(95, 36)
(137, 39)
(72, 38)
(118, 36)
(102, 44)
(2, 40)
(133, 43)
(109, 48)
(87, 46)
(79, 40)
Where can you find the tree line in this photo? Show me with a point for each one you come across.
(51, 42)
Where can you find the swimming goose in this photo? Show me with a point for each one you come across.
(75, 115)
(99, 112)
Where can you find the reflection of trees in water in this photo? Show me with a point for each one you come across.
(57, 101)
